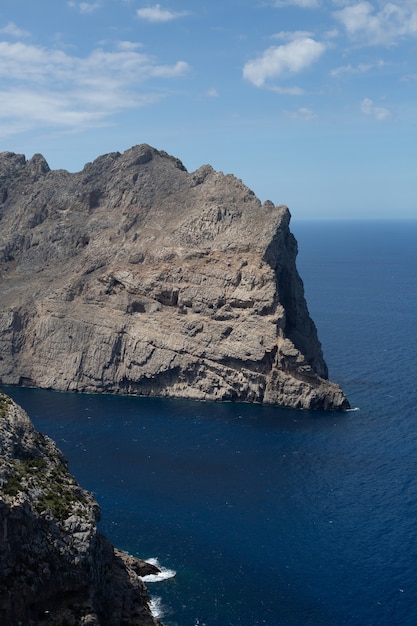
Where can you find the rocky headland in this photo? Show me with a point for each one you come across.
(56, 569)
(135, 276)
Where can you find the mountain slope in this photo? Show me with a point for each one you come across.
(135, 276)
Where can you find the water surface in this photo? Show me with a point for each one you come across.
(272, 516)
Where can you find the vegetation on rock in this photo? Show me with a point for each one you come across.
(55, 567)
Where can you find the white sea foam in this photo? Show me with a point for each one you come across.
(164, 573)
(355, 408)
(156, 606)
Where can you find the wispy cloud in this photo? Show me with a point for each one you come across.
(303, 113)
(304, 4)
(361, 68)
(370, 109)
(13, 30)
(41, 86)
(292, 58)
(84, 7)
(129, 45)
(287, 91)
(157, 14)
(291, 35)
(382, 24)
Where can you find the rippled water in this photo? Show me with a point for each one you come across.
(272, 516)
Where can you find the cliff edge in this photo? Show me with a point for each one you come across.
(55, 568)
(135, 276)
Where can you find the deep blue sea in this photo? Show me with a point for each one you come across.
(272, 516)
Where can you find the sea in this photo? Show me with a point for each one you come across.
(267, 516)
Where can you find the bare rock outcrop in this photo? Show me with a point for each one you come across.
(55, 567)
(135, 276)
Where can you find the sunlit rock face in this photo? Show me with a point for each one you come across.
(135, 276)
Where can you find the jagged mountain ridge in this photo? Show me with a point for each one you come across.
(136, 276)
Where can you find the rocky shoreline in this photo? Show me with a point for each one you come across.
(56, 568)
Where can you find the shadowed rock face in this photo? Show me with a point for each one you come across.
(135, 276)
(55, 568)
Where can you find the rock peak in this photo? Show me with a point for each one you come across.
(136, 276)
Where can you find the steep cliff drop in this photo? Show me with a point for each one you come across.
(134, 276)
(55, 567)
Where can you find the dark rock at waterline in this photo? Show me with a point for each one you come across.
(55, 567)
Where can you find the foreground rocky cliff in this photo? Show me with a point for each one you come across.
(55, 568)
(135, 276)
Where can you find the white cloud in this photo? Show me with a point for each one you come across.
(34, 64)
(288, 91)
(290, 35)
(44, 108)
(129, 45)
(303, 113)
(41, 86)
(85, 7)
(332, 33)
(383, 24)
(157, 14)
(13, 30)
(361, 68)
(370, 109)
(292, 57)
(304, 4)
(170, 71)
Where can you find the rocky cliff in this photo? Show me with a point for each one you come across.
(135, 276)
(55, 568)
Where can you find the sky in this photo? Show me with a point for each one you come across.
(312, 103)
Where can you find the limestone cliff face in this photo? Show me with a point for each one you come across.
(135, 276)
(55, 568)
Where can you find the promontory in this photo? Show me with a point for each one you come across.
(135, 276)
(56, 569)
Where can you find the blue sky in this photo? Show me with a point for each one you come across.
(312, 103)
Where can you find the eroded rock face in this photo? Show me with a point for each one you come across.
(55, 568)
(135, 276)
